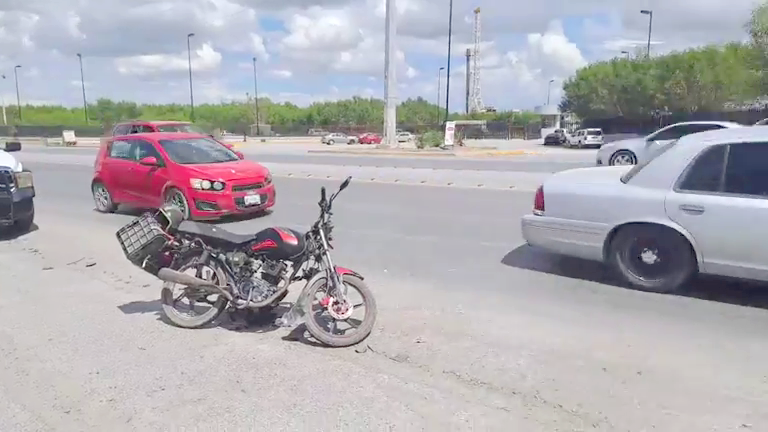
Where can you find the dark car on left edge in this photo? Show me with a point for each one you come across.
(17, 192)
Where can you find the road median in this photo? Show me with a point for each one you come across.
(467, 153)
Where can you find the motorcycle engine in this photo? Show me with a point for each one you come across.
(250, 285)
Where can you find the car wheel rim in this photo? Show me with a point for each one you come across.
(623, 159)
(101, 197)
(648, 260)
(177, 199)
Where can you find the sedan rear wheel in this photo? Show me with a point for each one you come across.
(652, 258)
(623, 157)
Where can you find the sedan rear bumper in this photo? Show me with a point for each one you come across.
(567, 237)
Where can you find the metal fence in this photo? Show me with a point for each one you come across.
(644, 126)
(491, 130)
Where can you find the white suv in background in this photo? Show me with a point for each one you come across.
(592, 137)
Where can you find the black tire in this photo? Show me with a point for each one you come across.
(191, 322)
(331, 142)
(634, 246)
(623, 155)
(107, 205)
(183, 202)
(24, 224)
(363, 330)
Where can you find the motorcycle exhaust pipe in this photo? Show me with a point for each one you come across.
(168, 275)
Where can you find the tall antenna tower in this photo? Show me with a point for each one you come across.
(475, 98)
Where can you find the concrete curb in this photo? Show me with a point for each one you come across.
(417, 153)
(414, 153)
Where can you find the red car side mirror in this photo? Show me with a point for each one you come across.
(149, 161)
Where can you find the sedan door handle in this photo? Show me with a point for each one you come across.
(692, 209)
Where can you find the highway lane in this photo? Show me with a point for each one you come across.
(461, 296)
(525, 163)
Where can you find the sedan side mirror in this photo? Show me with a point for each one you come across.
(149, 161)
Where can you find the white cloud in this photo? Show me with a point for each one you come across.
(282, 73)
(205, 59)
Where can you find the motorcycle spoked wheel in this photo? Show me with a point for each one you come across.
(324, 327)
(184, 319)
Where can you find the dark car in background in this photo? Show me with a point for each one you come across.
(556, 138)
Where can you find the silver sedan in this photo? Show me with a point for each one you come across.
(636, 150)
(338, 137)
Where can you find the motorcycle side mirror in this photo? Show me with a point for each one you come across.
(345, 183)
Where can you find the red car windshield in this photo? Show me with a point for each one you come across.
(180, 127)
(191, 151)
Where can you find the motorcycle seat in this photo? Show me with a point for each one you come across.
(213, 233)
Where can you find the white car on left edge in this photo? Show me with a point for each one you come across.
(636, 150)
(698, 205)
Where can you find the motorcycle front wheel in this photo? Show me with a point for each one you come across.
(324, 317)
(190, 315)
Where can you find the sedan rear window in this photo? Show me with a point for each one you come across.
(654, 154)
(193, 151)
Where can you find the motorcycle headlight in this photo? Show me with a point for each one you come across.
(204, 184)
(24, 180)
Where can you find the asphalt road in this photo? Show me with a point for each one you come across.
(476, 331)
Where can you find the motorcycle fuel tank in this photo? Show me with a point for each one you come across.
(278, 243)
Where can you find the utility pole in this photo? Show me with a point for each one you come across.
(18, 97)
(82, 83)
(256, 96)
(650, 29)
(469, 77)
(448, 72)
(191, 94)
(626, 53)
(439, 84)
(390, 88)
(549, 89)
(5, 119)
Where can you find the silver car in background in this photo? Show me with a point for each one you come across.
(338, 137)
(636, 150)
(584, 138)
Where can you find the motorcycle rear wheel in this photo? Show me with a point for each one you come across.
(183, 320)
(361, 332)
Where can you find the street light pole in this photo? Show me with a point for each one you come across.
(549, 89)
(448, 71)
(18, 97)
(256, 96)
(650, 29)
(82, 83)
(439, 81)
(5, 119)
(191, 94)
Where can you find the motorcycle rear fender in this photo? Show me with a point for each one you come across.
(341, 271)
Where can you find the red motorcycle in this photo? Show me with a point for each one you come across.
(251, 272)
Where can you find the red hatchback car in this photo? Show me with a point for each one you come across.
(198, 174)
(370, 138)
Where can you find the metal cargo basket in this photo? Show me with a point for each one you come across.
(142, 238)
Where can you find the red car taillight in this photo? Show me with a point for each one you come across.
(538, 202)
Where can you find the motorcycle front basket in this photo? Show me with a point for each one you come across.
(142, 238)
